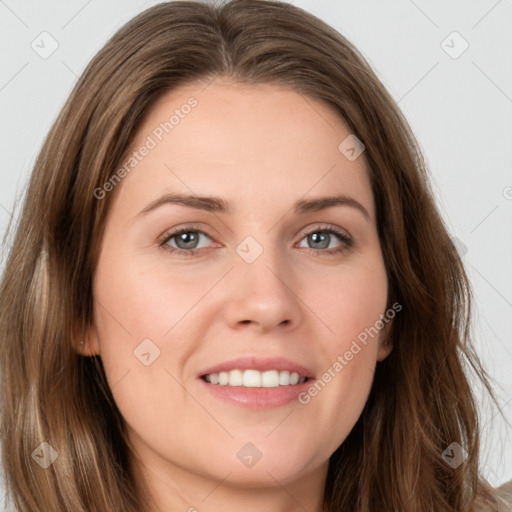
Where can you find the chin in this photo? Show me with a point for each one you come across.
(261, 463)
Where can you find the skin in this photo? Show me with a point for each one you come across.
(261, 148)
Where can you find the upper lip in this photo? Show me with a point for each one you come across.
(258, 363)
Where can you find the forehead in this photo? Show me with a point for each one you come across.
(244, 142)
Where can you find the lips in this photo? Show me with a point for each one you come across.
(259, 363)
(223, 381)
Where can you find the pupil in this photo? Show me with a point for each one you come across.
(189, 235)
(315, 237)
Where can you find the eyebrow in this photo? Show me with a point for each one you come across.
(218, 205)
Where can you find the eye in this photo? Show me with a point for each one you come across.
(184, 241)
(321, 237)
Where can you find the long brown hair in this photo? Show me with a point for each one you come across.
(421, 401)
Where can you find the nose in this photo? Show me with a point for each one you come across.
(263, 295)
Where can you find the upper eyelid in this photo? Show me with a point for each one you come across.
(171, 233)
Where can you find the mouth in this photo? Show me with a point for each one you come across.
(255, 382)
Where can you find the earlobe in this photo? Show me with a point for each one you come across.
(88, 345)
(385, 342)
(385, 349)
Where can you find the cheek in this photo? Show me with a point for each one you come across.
(138, 315)
(145, 297)
(351, 305)
(349, 302)
(147, 328)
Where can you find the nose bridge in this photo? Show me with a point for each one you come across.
(261, 264)
(264, 291)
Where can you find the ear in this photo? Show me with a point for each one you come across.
(87, 344)
(385, 341)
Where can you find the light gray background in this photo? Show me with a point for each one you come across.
(459, 108)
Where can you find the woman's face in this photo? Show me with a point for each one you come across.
(254, 289)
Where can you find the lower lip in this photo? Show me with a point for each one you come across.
(258, 398)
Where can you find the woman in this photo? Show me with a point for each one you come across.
(169, 338)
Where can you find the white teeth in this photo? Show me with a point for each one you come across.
(236, 378)
(255, 378)
(270, 379)
(284, 378)
(252, 379)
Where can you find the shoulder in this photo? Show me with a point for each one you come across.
(497, 499)
(505, 493)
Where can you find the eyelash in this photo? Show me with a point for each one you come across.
(346, 244)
